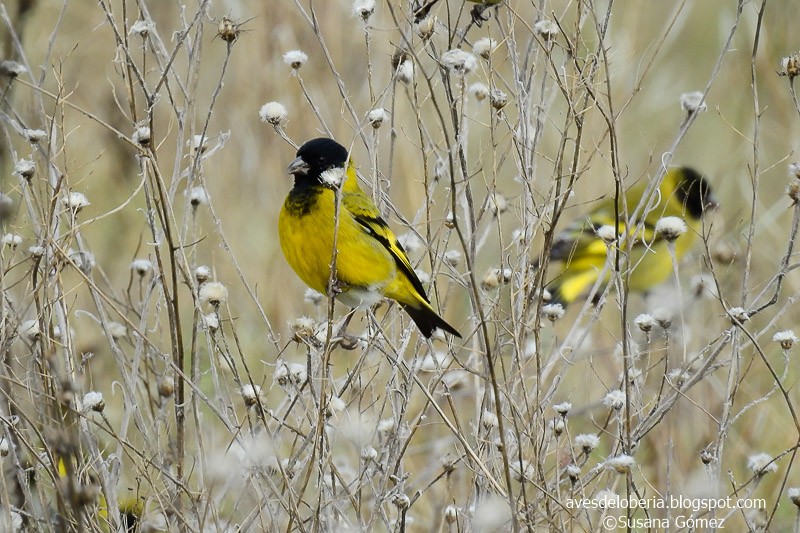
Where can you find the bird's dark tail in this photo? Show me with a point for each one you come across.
(427, 320)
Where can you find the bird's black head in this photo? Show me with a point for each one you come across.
(694, 192)
(316, 156)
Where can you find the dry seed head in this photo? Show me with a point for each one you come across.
(793, 191)
(228, 30)
(615, 399)
(333, 177)
(198, 196)
(607, 233)
(386, 425)
(693, 102)
(645, 322)
(401, 501)
(498, 204)
(303, 328)
(30, 330)
(557, 426)
(198, 143)
(671, 227)
(573, 472)
(202, 273)
(498, 99)
(479, 91)
(790, 65)
(12, 69)
(142, 267)
(84, 261)
(484, 47)
(794, 170)
(117, 330)
(34, 136)
(295, 59)
(761, 463)
(166, 386)
(622, 464)
(738, 315)
(25, 169)
(75, 201)
(663, 317)
(452, 257)
(553, 312)
(4, 447)
(562, 408)
(587, 442)
(364, 9)
(546, 29)
(459, 62)
(36, 251)
(794, 495)
(377, 116)
(706, 457)
(298, 373)
(489, 420)
(213, 292)
(142, 28)
(605, 498)
(211, 322)
(425, 28)
(142, 136)
(785, 338)
(12, 240)
(93, 401)
(451, 514)
(251, 394)
(523, 471)
(273, 113)
(405, 71)
(369, 453)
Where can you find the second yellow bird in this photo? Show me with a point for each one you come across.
(683, 193)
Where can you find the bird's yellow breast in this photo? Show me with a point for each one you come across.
(306, 230)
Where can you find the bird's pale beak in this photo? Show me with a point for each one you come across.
(298, 166)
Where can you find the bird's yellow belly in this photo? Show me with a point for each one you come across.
(364, 268)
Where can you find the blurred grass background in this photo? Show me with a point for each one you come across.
(656, 51)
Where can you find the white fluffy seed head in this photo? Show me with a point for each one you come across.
(615, 399)
(761, 463)
(497, 203)
(251, 394)
(295, 58)
(405, 71)
(459, 62)
(452, 257)
(794, 495)
(29, 330)
(546, 29)
(142, 266)
(498, 99)
(377, 116)
(693, 102)
(553, 312)
(12, 69)
(332, 177)
(198, 196)
(117, 330)
(671, 227)
(785, 338)
(198, 143)
(562, 408)
(142, 136)
(202, 273)
(12, 240)
(645, 322)
(75, 201)
(739, 314)
(479, 91)
(142, 28)
(93, 401)
(25, 168)
(622, 464)
(273, 113)
(213, 292)
(364, 9)
(484, 47)
(34, 136)
(607, 233)
(587, 442)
